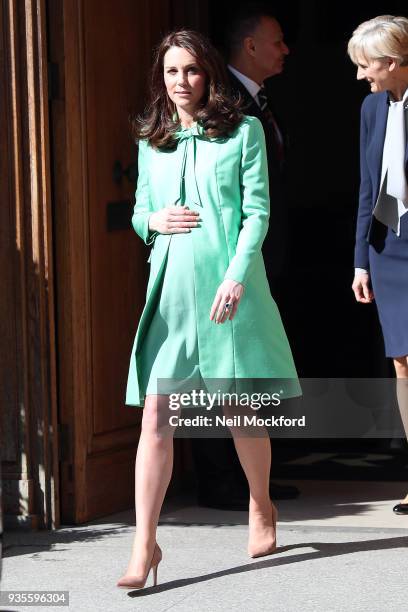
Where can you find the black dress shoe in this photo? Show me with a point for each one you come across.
(235, 496)
(225, 495)
(231, 502)
(401, 509)
(279, 491)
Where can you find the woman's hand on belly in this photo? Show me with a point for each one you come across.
(228, 293)
(173, 220)
(362, 288)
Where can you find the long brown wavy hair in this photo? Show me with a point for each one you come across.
(218, 112)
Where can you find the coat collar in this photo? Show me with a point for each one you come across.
(250, 85)
(381, 124)
(250, 107)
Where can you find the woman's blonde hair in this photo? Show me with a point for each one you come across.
(379, 38)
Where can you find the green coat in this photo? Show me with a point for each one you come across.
(232, 174)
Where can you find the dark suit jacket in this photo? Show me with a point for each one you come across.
(374, 113)
(275, 244)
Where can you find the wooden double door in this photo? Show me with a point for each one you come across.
(100, 53)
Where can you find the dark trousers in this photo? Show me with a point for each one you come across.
(217, 465)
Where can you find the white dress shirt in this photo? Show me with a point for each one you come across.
(387, 159)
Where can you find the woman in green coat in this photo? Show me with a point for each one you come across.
(202, 204)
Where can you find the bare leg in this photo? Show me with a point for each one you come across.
(401, 370)
(254, 452)
(153, 469)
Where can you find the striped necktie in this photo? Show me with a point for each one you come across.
(270, 119)
(263, 98)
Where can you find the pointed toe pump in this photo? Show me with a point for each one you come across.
(262, 551)
(138, 582)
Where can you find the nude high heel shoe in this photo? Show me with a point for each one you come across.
(138, 582)
(261, 552)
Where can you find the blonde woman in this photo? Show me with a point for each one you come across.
(379, 48)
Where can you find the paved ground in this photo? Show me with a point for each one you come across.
(340, 548)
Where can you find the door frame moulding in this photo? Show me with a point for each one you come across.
(72, 257)
(30, 426)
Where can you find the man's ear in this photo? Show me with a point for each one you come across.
(249, 45)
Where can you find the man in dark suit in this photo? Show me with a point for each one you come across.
(256, 50)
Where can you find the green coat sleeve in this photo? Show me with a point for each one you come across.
(254, 201)
(143, 209)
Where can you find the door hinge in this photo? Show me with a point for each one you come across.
(53, 81)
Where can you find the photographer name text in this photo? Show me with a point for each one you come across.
(237, 421)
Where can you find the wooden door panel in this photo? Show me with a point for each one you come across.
(103, 53)
(116, 58)
(103, 50)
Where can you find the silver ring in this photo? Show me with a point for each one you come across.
(226, 306)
